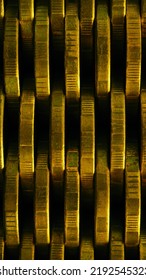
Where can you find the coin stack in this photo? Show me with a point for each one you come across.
(72, 129)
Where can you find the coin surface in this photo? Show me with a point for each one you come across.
(42, 72)
(72, 199)
(102, 49)
(26, 140)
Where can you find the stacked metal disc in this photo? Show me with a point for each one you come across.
(72, 129)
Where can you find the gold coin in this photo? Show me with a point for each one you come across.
(42, 74)
(2, 101)
(87, 16)
(133, 196)
(143, 134)
(143, 18)
(72, 199)
(11, 198)
(26, 139)
(57, 244)
(26, 16)
(116, 243)
(72, 53)
(133, 61)
(102, 49)
(102, 194)
(86, 249)
(57, 138)
(27, 246)
(11, 56)
(118, 13)
(118, 136)
(57, 15)
(42, 183)
(87, 144)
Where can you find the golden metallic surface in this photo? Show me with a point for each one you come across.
(42, 71)
(116, 244)
(133, 53)
(42, 191)
(87, 142)
(87, 16)
(118, 138)
(143, 134)
(102, 49)
(72, 199)
(72, 53)
(26, 16)
(26, 140)
(57, 16)
(142, 245)
(118, 12)
(11, 198)
(57, 249)
(1, 8)
(2, 102)
(72, 129)
(102, 195)
(143, 18)
(11, 53)
(86, 248)
(57, 138)
(132, 196)
(27, 246)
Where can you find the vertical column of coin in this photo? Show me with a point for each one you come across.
(117, 146)
(26, 163)
(72, 201)
(133, 83)
(87, 164)
(117, 167)
(57, 127)
(12, 92)
(41, 200)
(87, 127)
(72, 91)
(102, 88)
(11, 202)
(57, 167)
(42, 86)
(142, 247)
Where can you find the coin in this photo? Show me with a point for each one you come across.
(102, 194)
(42, 72)
(72, 199)
(134, 49)
(11, 198)
(72, 55)
(11, 53)
(26, 140)
(57, 139)
(87, 142)
(102, 49)
(132, 196)
(42, 190)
